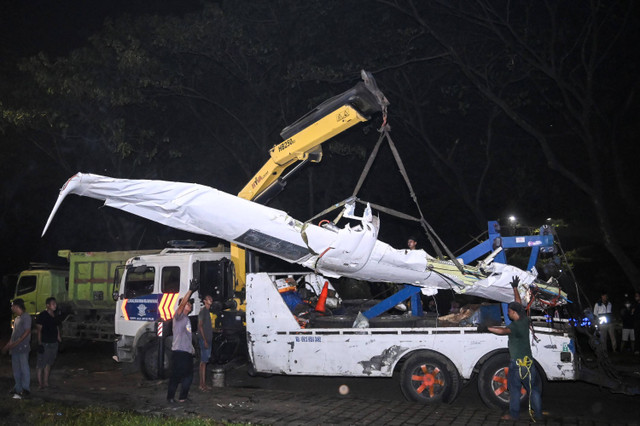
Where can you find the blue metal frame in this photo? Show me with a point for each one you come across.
(408, 291)
(537, 243)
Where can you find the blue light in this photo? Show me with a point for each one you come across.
(583, 322)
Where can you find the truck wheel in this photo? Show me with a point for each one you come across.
(429, 377)
(492, 382)
(149, 360)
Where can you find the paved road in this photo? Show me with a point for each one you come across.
(560, 400)
(86, 376)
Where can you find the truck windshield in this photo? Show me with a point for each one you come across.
(27, 284)
(139, 282)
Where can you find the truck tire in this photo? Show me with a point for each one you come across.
(149, 359)
(429, 377)
(492, 382)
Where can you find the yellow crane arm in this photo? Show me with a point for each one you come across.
(304, 145)
(302, 142)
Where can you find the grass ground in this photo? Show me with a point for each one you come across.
(35, 412)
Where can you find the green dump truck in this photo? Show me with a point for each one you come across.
(83, 291)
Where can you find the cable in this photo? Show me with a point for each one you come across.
(564, 258)
(448, 279)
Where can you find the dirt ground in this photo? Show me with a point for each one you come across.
(87, 375)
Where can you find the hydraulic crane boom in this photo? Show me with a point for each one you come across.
(303, 140)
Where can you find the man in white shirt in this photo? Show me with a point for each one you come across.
(602, 311)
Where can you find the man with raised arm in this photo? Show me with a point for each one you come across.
(522, 368)
(182, 349)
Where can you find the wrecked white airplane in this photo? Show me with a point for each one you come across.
(353, 252)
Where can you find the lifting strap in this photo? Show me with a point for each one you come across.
(431, 234)
(384, 134)
(425, 225)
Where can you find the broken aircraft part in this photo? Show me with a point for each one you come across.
(353, 252)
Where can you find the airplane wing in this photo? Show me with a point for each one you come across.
(351, 251)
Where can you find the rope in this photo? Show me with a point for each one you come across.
(329, 210)
(526, 362)
(528, 310)
(568, 267)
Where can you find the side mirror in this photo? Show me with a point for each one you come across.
(194, 284)
(196, 270)
(117, 275)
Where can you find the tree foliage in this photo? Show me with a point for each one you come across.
(548, 67)
(495, 105)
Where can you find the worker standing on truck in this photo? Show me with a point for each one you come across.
(182, 351)
(19, 345)
(48, 339)
(205, 339)
(522, 368)
(412, 243)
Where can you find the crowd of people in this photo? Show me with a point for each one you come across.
(19, 345)
(47, 328)
(604, 314)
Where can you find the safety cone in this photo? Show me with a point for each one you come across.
(323, 298)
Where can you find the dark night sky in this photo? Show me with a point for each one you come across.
(56, 27)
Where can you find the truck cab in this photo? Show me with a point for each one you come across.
(149, 292)
(40, 282)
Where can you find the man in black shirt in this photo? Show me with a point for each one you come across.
(627, 326)
(48, 338)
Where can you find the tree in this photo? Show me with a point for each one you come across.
(561, 59)
(166, 97)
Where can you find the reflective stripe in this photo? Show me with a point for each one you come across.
(167, 308)
(124, 309)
